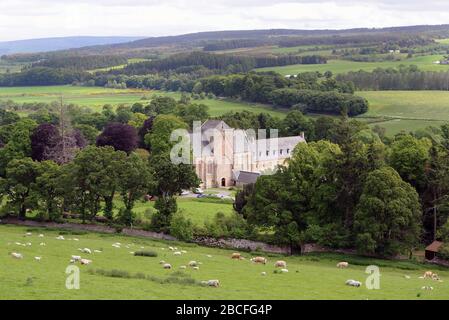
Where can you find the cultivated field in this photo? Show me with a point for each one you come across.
(309, 277)
(425, 63)
(407, 110)
(96, 97)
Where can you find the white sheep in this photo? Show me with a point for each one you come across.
(76, 258)
(28, 234)
(167, 266)
(284, 270)
(177, 253)
(353, 283)
(87, 250)
(196, 268)
(37, 258)
(213, 283)
(193, 264)
(85, 261)
(263, 273)
(41, 235)
(182, 267)
(17, 255)
(42, 244)
(60, 238)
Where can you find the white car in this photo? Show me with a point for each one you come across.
(198, 191)
(185, 193)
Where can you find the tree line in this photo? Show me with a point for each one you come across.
(401, 78)
(82, 62)
(383, 197)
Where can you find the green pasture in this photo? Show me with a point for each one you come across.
(96, 97)
(407, 110)
(131, 277)
(343, 66)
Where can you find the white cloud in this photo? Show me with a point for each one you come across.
(22, 19)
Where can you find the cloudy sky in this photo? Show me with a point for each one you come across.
(25, 19)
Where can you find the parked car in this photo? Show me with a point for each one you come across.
(198, 191)
(185, 193)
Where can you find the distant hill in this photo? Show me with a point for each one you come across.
(62, 43)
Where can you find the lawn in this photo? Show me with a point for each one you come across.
(96, 97)
(198, 211)
(425, 63)
(309, 276)
(408, 110)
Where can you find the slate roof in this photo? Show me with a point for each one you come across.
(246, 177)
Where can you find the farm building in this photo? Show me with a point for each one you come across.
(433, 249)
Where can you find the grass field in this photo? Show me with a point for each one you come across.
(96, 97)
(309, 276)
(408, 110)
(197, 211)
(425, 63)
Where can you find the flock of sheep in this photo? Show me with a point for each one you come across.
(280, 265)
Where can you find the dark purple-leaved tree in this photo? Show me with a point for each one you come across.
(121, 136)
(146, 128)
(44, 137)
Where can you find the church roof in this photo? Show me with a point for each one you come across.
(246, 177)
(214, 124)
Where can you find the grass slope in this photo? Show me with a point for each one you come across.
(96, 97)
(309, 277)
(408, 110)
(425, 63)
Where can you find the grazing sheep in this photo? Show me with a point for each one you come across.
(426, 288)
(213, 283)
(264, 273)
(28, 234)
(280, 264)
(209, 256)
(193, 264)
(171, 248)
(183, 251)
(259, 260)
(29, 244)
(60, 238)
(72, 261)
(407, 277)
(87, 250)
(42, 244)
(435, 277)
(353, 283)
(98, 251)
(196, 268)
(85, 261)
(115, 245)
(17, 255)
(76, 258)
(236, 256)
(162, 262)
(428, 274)
(41, 235)
(167, 266)
(182, 267)
(177, 253)
(37, 258)
(284, 270)
(75, 239)
(342, 264)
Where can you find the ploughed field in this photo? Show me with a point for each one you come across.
(115, 273)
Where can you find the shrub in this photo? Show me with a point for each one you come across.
(146, 253)
(181, 227)
(233, 226)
